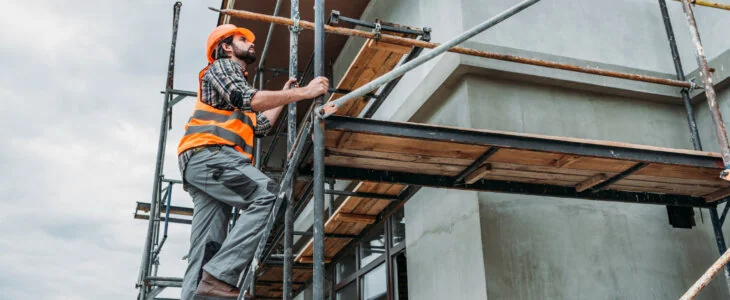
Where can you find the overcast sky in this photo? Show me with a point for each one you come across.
(80, 83)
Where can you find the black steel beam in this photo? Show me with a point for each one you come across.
(512, 187)
(504, 140)
(362, 195)
(335, 18)
(475, 164)
(619, 176)
(328, 235)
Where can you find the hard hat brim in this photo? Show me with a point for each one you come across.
(245, 33)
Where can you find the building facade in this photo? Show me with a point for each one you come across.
(447, 244)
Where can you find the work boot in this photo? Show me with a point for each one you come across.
(210, 288)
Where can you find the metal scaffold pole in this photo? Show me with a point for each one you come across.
(716, 223)
(680, 76)
(318, 153)
(147, 254)
(720, 240)
(291, 138)
(704, 70)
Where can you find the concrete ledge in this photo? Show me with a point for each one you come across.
(450, 68)
(569, 79)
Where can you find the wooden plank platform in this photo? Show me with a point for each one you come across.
(339, 223)
(522, 158)
(579, 165)
(374, 59)
(270, 284)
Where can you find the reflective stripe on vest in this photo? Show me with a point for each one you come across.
(211, 126)
(211, 116)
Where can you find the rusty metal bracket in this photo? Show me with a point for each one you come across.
(295, 28)
(376, 30)
(692, 86)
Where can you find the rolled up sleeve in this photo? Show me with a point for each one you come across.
(263, 125)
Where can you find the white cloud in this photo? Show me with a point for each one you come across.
(80, 119)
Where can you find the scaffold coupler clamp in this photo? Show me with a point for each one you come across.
(692, 86)
(426, 34)
(725, 174)
(295, 28)
(335, 17)
(376, 30)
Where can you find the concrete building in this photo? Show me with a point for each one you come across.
(470, 245)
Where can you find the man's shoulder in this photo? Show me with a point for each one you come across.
(226, 63)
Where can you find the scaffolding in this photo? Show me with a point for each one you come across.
(486, 159)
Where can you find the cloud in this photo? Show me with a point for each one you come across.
(80, 120)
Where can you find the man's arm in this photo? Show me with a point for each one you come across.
(273, 114)
(227, 78)
(266, 100)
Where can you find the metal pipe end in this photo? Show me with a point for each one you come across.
(215, 9)
(178, 4)
(725, 174)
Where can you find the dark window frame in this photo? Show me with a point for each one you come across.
(387, 258)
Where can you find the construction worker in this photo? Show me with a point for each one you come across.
(215, 159)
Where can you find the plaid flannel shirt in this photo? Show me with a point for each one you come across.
(225, 87)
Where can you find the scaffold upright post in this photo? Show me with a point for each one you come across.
(318, 153)
(291, 137)
(147, 254)
(704, 70)
(680, 76)
(716, 223)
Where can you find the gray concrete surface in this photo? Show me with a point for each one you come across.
(468, 245)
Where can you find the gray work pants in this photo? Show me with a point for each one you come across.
(219, 178)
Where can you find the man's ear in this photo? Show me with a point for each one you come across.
(227, 47)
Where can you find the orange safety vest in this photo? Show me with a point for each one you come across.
(212, 126)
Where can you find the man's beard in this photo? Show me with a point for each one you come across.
(246, 56)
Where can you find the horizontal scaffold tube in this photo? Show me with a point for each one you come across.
(461, 50)
(709, 4)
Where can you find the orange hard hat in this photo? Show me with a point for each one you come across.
(224, 31)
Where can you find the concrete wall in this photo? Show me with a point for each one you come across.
(548, 248)
(467, 245)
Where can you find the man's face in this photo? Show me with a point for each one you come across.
(243, 49)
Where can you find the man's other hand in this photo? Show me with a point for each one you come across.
(288, 84)
(318, 86)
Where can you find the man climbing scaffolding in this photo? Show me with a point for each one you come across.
(215, 158)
